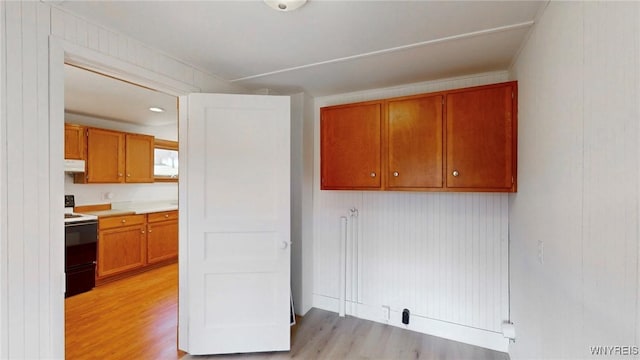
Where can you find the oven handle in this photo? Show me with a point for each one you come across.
(79, 223)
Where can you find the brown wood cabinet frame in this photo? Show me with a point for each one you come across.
(384, 141)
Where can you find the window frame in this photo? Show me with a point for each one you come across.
(165, 145)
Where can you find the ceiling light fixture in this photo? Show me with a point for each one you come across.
(156, 109)
(285, 5)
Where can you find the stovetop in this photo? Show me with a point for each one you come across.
(70, 216)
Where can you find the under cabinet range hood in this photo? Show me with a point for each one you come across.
(73, 166)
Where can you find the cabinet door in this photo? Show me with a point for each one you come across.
(74, 142)
(105, 156)
(415, 143)
(121, 249)
(350, 146)
(481, 138)
(139, 158)
(162, 241)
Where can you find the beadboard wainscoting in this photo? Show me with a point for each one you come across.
(443, 256)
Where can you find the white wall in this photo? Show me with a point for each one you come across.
(442, 255)
(579, 108)
(31, 152)
(301, 203)
(164, 132)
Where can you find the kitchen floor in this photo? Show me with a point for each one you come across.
(133, 318)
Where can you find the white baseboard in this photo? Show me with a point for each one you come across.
(464, 334)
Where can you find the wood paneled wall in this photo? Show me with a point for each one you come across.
(579, 89)
(443, 256)
(29, 289)
(31, 153)
(81, 32)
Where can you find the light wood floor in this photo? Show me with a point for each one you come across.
(136, 318)
(324, 335)
(133, 318)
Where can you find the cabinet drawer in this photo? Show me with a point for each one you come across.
(118, 221)
(163, 216)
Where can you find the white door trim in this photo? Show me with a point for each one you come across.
(61, 51)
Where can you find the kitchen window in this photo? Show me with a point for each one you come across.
(165, 164)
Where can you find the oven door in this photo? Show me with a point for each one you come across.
(81, 240)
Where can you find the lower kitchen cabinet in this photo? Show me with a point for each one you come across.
(162, 236)
(132, 243)
(121, 244)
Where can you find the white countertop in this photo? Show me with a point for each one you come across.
(136, 208)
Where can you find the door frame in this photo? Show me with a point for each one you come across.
(61, 52)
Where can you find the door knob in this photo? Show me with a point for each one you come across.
(455, 173)
(284, 244)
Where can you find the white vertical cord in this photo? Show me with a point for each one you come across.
(357, 276)
(343, 265)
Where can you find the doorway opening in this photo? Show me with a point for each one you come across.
(135, 298)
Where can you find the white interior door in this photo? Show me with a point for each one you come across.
(237, 224)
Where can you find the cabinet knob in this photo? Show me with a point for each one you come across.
(166, 215)
(143, 231)
(128, 175)
(395, 173)
(119, 174)
(373, 174)
(149, 230)
(455, 173)
(124, 221)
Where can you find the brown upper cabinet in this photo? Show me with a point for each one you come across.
(139, 158)
(456, 140)
(105, 156)
(117, 157)
(350, 146)
(74, 142)
(481, 138)
(414, 130)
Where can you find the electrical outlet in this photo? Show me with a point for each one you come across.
(386, 312)
(541, 251)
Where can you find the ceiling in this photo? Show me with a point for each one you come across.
(91, 94)
(325, 47)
